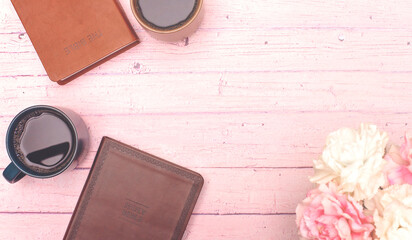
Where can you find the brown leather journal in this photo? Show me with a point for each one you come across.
(72, 36)
(130, 194)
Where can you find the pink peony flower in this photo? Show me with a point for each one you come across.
(328, 215)
(399, 167)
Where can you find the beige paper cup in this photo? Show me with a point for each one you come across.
(173, 33)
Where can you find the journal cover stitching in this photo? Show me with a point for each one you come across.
(158, 163)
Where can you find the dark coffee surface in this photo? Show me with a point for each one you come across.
(42, 141)
(166, 14)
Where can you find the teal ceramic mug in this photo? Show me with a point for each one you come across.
(43, 141)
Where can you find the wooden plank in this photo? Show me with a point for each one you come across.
(214, 93)
(200, 227)
(250, 139)
(33, 226)
(226, 191)
(259, 227)
(279, 14)
(230, 51)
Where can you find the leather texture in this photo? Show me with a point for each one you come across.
(130, 194)
(71, 36)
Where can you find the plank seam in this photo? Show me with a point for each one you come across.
(195, 214)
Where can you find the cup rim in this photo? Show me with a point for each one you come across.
(67, 120)
(143, 23)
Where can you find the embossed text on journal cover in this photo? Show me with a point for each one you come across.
(72, 36)
(130, 194)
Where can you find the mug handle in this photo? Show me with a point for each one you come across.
(12, 174)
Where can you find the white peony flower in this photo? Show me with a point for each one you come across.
(393, 212)
(353, 160)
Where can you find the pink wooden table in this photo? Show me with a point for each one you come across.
(247, 101)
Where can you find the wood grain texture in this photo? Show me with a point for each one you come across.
(247, 101)
(36, 226)
(252, 50)
(226, 191)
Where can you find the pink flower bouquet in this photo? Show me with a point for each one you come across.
(364, 189)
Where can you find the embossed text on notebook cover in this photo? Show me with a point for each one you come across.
(130, 194)
(71, 36)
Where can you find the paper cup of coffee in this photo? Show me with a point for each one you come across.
(168, 20)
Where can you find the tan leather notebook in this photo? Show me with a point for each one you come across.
(130, 194)
(71, 36)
